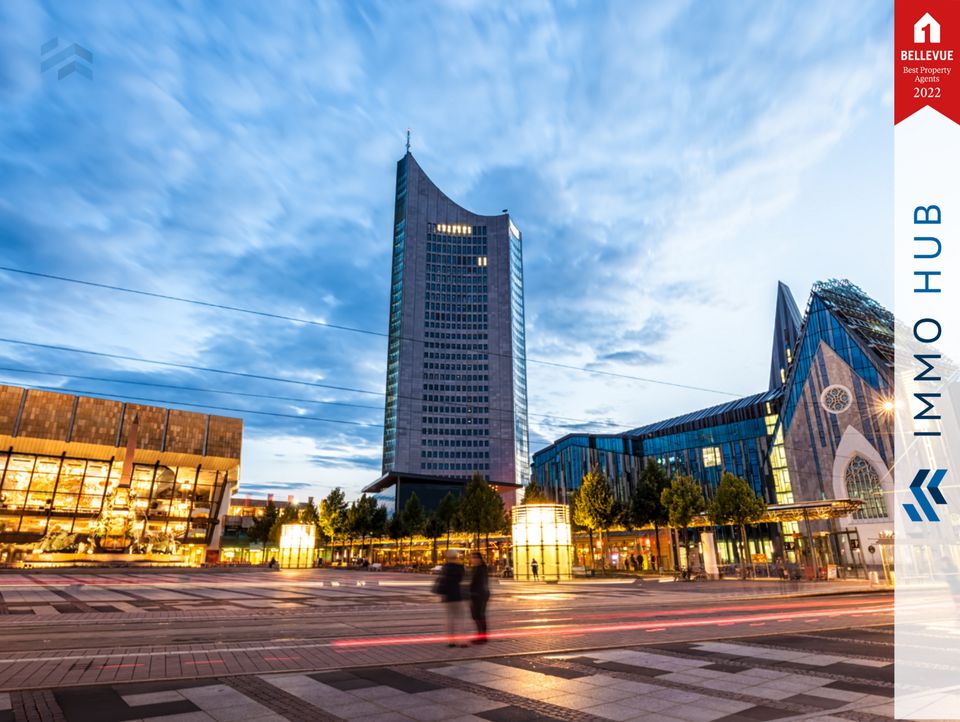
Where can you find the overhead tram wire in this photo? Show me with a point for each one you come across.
(277, 414)
(125, 398)
(461, 407)
(179, 387)
(338, 327)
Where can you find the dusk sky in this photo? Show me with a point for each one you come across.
(667, 163)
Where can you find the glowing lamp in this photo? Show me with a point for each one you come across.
(541, 532)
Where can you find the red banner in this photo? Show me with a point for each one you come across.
(926, 57)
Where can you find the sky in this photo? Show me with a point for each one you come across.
(667, 163)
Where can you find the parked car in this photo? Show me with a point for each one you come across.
(376, 567)
(437, 569)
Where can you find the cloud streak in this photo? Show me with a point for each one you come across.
(657, 159)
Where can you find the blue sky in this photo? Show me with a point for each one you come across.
(667, 163)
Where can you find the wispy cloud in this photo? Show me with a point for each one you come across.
(666, 164)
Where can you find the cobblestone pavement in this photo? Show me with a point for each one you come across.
(183, 593)
(313, 620)
(841, 674)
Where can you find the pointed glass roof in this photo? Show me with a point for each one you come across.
(866, 319)
(786, 331)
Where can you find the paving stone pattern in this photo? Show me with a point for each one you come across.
(761, 678)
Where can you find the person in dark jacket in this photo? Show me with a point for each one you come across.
(449, 588)
(479, 595)
(535, 568)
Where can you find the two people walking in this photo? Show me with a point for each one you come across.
(449, 586)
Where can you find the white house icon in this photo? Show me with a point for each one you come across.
(927, 21)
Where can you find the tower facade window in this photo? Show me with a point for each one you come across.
(456, 366)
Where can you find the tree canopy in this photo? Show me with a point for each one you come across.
(481, 508)
(533, 494)
(365, 518)
(446, 512)
(594, 507)
(290, 514)
(260, 531)
(646, 505)
(736, 503)
(413, 516)
(683, 500)
(333, 514)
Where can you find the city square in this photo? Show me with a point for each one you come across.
(329, 645)
(450, 360)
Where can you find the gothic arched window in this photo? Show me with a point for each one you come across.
(863, 482)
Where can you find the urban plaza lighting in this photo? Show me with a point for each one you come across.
(297, 543)
(542, 532)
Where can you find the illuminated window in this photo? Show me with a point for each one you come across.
(482, 261)
(712, 456)
(863, 482)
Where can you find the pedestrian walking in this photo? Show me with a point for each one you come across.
(479, 595)
(449, 587)
(535, 568)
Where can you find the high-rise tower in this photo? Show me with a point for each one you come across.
(456, 396)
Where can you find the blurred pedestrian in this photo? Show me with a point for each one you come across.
(448, 586)
(479, 595)
(273, 563)
(535, 568)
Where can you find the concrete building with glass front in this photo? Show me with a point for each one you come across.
(821, 434)
(456, 387)
(67, 495)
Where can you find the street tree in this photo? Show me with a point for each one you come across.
(309, 513)
(594, 507)
(481, 509)
(494, 519)
(533, 493)
(683, 500)
(433, 529)
(362, 519)
(413, 518)
(447, 514)
(396, 532)
(260, 532)
(290, 514)
(645, 506)
(333, 515)
(378, 525)
(736, 504)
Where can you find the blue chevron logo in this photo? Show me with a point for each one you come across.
(77, 65)
(933, 488)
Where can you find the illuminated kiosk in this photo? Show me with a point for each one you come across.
(297, 544)
(542, 532)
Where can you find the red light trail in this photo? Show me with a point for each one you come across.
(567, 630)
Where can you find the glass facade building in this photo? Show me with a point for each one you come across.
(62, 459)
(837, 419)
(456, 397)
(731, 437)
(822, 431)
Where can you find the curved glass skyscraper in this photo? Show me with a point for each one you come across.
(456, 400)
